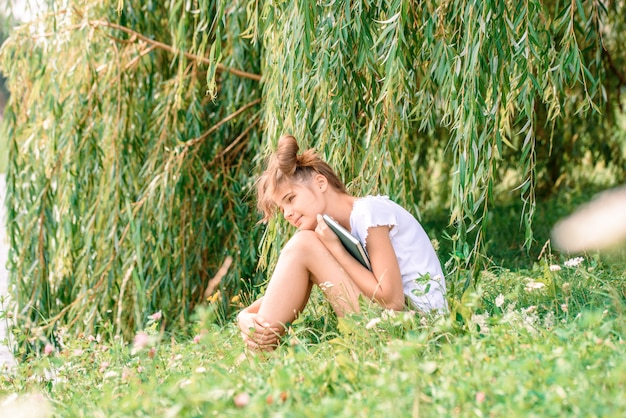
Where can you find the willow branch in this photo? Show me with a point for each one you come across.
(215, 127)
(230, 146)
(173, 50)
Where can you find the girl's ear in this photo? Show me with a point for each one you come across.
(320, 181)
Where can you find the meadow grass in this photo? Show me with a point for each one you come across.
(536, 342)
(543, 338)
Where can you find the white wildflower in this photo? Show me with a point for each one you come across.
(110, 374)
(388, 314)
(532, 285)
(573, 262)
(529, 310)
(481, 321)
(555, 267)
(548, 320)
(500, 300)
(408, 316)
(529, 318)
(372, 323)
(326, 286)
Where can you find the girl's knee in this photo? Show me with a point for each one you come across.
(303, 241)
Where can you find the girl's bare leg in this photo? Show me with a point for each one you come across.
(305, 261)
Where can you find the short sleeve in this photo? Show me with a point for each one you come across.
(372, 211)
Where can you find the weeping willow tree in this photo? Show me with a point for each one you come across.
(137, 127)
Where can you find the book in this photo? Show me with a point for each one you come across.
(348, 240)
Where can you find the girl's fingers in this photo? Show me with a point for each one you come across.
(261, 322)
(267, 336)
(263, 336)
(264, 327)
(256, 343)
(258, 334)
(322, 230)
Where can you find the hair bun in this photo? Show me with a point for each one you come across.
(287, 154)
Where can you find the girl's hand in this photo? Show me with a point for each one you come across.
(328, 237)
(257, 333)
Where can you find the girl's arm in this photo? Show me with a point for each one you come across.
(253, 308)
(384, 282)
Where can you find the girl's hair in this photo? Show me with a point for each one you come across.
(286, 166)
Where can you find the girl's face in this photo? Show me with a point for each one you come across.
(301, 202)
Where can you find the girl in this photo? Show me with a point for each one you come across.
(404, 263)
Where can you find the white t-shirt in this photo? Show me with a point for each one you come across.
(416, 256)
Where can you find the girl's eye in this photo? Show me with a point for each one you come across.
(290, 198)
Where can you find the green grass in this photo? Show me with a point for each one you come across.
(507, 350)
